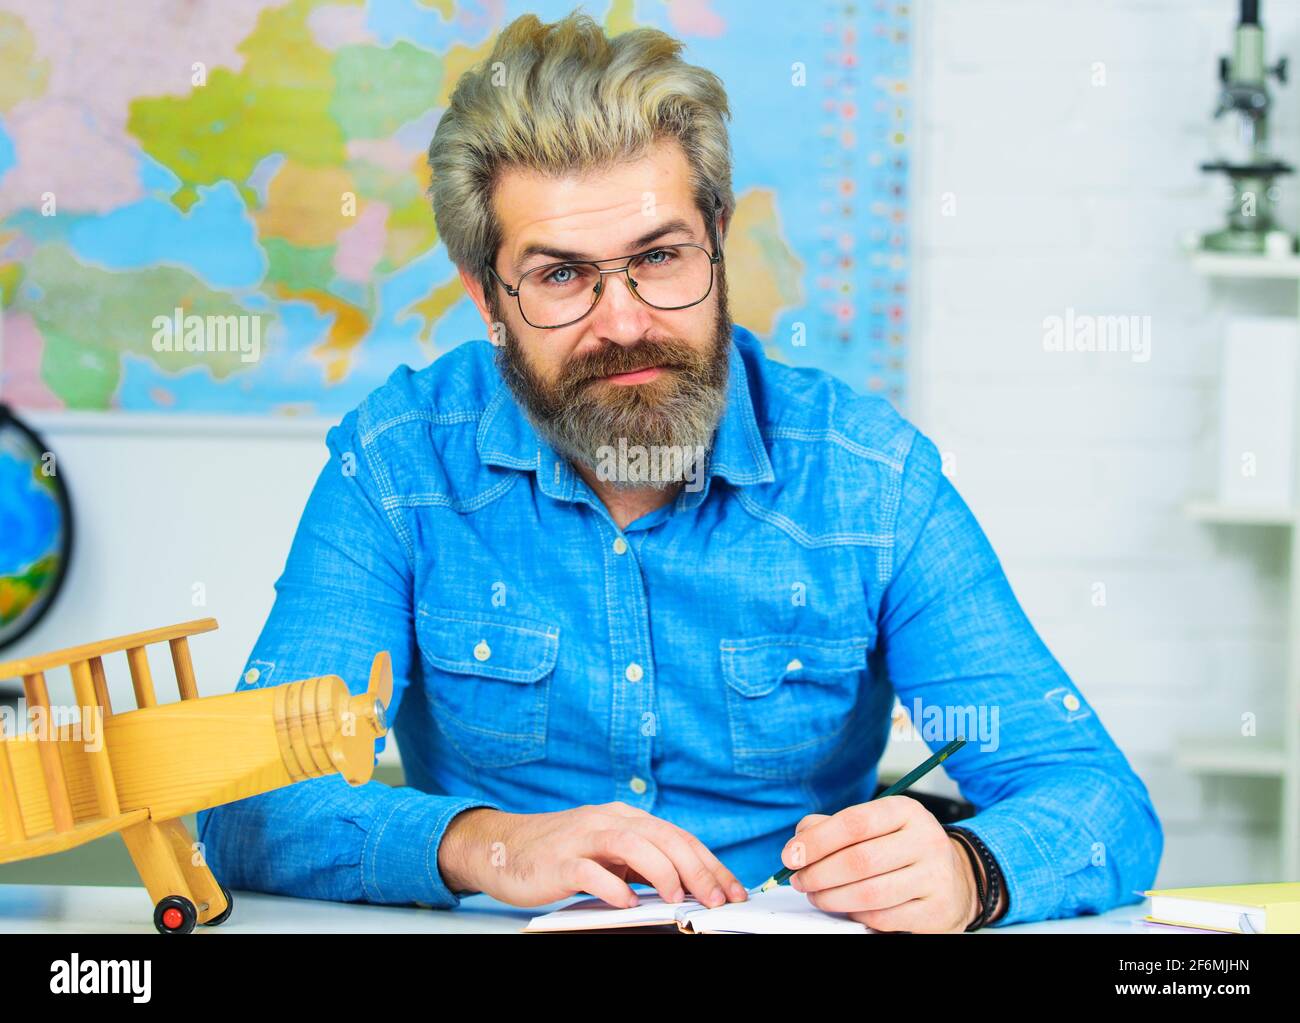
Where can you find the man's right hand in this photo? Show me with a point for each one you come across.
(530, 859)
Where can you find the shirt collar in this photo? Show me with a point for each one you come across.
(739, 455)
(506, 438)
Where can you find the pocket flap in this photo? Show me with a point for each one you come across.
(756, 666)
(498, 646)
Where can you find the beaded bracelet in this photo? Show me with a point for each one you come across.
(978, 854)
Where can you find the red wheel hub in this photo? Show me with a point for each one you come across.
(172, 918)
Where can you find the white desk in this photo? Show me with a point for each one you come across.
(92, 909)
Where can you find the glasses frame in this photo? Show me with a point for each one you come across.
(715, 257)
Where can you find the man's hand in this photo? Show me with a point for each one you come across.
(530, 859)
(887, 864)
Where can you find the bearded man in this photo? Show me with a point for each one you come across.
(650, 596)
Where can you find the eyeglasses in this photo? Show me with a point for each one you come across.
(558, 294)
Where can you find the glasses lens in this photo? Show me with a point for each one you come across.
(674, 276)
(671, 277)
(559, 294)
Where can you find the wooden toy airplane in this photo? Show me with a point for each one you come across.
(139, 771)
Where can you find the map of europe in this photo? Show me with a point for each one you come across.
(159, 156)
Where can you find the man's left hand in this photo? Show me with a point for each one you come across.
(887, 864)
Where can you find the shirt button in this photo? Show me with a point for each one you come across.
(634, 672)
(252, 675)
(1071, 701)
(794, 665)
(620, 545)
(482, 652)
(637, 785)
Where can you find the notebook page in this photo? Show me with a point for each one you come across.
(1213, 915)
(780, 910)
(589, 914)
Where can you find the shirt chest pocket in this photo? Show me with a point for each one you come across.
(488, 682)
(789, 701)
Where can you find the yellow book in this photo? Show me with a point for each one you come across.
(1238, 908)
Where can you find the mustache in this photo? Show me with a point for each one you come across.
(615, 359)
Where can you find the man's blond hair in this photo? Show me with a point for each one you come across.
(561, 98)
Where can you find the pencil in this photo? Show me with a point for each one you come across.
(902, 785)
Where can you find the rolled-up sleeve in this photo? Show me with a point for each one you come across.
(1058, 805)
(344, 595)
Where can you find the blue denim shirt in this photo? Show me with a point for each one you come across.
(728, 662)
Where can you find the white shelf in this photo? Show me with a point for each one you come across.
(1240, 514)
(1273, 759)
(1220, 264)
(1248, 756)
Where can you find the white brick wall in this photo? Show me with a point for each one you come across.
(1069, 194)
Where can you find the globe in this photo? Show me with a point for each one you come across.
(35, 528)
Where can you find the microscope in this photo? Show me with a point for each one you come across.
(1245, 156)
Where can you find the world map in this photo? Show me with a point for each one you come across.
(253, 158)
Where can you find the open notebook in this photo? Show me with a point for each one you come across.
(781, 910)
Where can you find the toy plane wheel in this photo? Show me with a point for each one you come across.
(175, 914)
(225, 913)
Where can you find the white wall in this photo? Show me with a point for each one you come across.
(1067, 194)
(167, 515)
(1071, 194)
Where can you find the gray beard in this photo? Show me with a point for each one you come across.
(667, 425)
